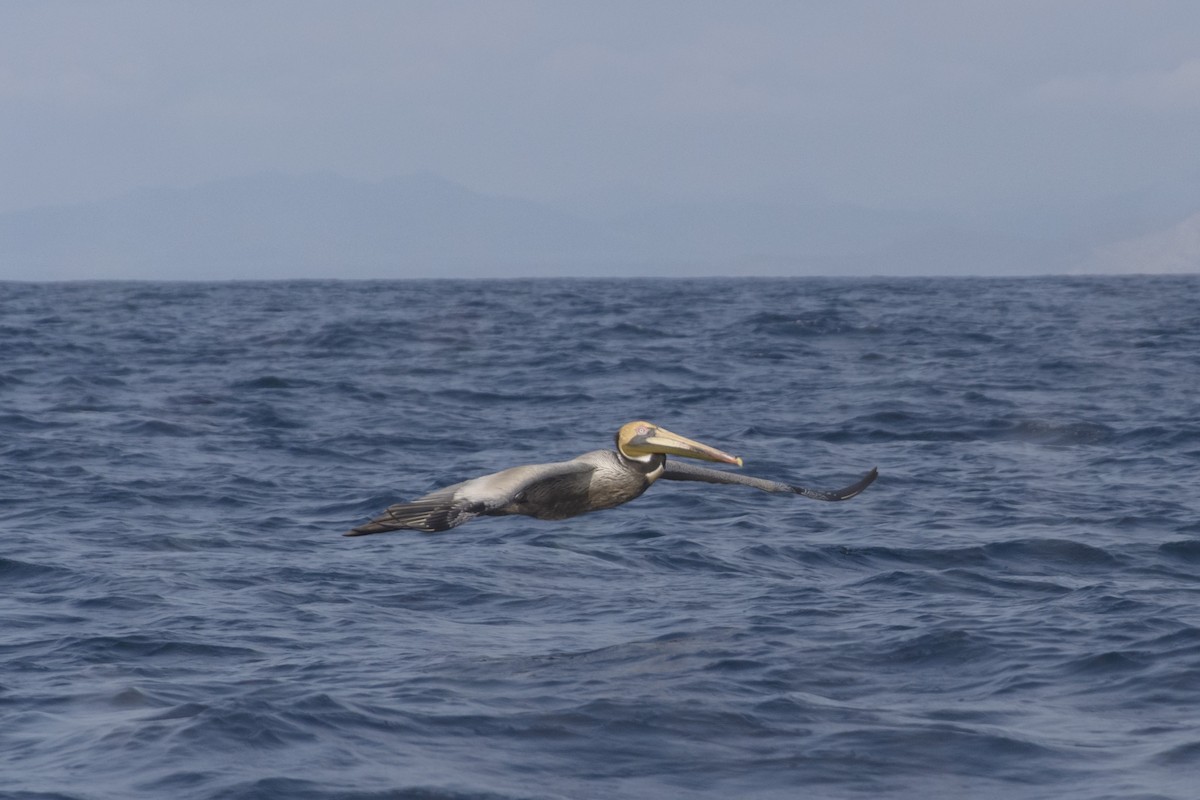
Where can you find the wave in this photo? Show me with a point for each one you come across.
(1009, 606)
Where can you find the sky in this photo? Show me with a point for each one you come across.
(925, 105)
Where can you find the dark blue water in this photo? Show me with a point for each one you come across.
(1012, 610)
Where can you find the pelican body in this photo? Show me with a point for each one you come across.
(593, 481)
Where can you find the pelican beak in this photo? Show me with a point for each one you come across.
(643, 438)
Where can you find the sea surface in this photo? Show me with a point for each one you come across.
(1011, 611)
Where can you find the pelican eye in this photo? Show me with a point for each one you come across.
(643, 430)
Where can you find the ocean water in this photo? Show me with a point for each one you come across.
(1011, 611)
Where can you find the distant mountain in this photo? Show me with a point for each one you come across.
(1172, 250)
(273, 225)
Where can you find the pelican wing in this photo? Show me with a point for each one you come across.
(452, 506)
(682, 471)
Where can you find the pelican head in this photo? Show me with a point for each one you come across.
(641, 440)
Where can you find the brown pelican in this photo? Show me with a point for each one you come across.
(590, 482)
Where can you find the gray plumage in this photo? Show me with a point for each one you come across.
(559, 490)
(593, 481)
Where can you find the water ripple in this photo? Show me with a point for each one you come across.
(1008, 612)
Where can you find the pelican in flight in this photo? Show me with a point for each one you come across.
(590, 482)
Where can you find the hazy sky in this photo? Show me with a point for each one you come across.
(910, 104)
